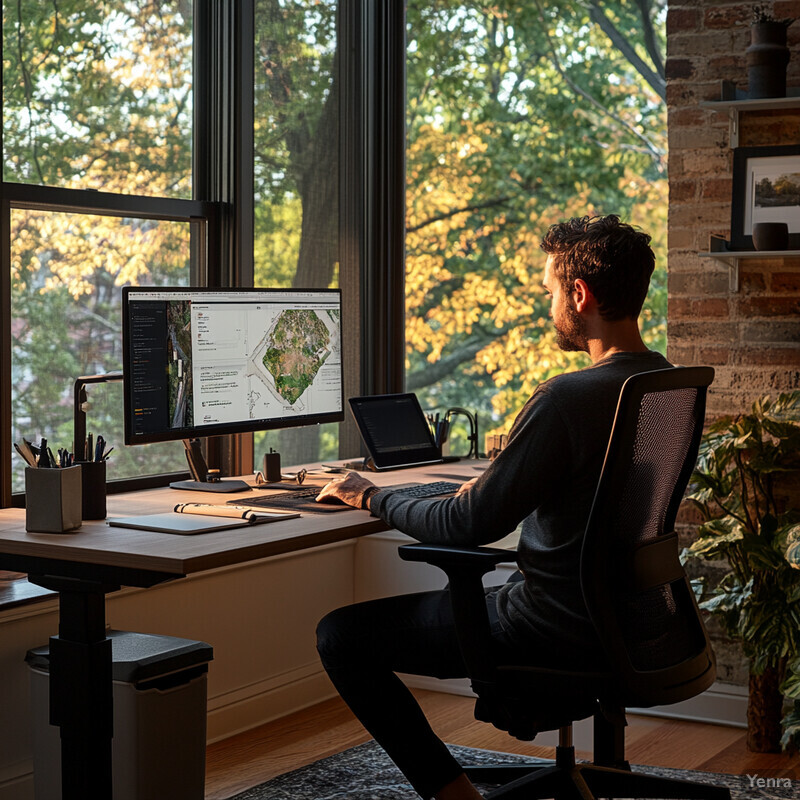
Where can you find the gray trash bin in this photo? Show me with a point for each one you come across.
(159, 744)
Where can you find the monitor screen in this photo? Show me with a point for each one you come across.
(207, 362)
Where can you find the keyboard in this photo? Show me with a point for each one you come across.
(303, 499)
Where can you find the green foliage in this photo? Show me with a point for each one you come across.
(744, 465)
(96, 96)
(520, 114)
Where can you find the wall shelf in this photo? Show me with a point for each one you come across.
(733, 257)
(735, 106)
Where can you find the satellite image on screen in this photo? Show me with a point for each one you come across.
(297, 346)
(179, 367)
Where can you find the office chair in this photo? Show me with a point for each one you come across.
(637, 596)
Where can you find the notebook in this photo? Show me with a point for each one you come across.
(395, 430)
(188, 523)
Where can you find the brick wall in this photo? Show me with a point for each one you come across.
(751, 337)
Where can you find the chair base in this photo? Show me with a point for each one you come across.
(586, 782)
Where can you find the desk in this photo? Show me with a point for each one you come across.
(86, 565)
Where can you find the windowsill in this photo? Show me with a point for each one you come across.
(16, 591)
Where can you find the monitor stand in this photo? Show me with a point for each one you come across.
(200, 473)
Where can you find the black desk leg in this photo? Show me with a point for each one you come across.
(81, 701)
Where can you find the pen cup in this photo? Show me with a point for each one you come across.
(52, 499)
(93, 502)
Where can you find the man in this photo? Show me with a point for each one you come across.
(597, 274)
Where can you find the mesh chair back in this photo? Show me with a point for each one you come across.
(635, 589)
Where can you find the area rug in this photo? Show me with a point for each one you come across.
(366, 773)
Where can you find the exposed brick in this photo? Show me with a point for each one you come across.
(722, 67)
(681, 238)
(679, 307)
(712, 332)
(698, 284)
(762, 129)
(682, 191)
(704, 214)
(785, 282)
(706, 162)
(717, 189)
(751, 281)
(678, 68)
(682, 354)
(765, 306)
(699, 136)
(726, 16)
(786, 9)
(714, 356)
(718, 42)
(710, 307)
(771, 331)
(682, 19)
(767, 356)
(688, 116)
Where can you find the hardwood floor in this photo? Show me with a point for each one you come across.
(256, 756)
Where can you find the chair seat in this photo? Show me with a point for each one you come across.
(534, 699)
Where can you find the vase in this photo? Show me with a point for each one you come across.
(764, 710)
(770, 235)
(767, 58)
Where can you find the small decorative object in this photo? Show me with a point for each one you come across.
(770, 235)
(766, 188)
(768, 54)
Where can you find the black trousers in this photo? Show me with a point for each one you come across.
(363, 645)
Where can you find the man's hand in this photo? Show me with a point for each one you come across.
(349, 490)
(465, 487)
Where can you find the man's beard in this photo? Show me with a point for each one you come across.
(571, 335)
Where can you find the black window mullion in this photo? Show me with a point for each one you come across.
(223, 169)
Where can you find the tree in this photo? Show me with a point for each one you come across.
(520, 114)
(96, 96)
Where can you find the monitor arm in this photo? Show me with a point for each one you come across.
(81, 405)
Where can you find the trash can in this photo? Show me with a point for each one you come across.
(159, 744)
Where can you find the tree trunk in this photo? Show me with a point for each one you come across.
(764, 711)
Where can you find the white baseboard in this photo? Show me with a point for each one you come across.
(278, 696)
(721, 704)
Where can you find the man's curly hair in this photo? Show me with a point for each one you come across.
(614, 259)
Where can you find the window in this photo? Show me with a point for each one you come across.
(520, 115)
(154, 143)
(98, 102)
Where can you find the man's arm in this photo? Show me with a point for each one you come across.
(524, 475)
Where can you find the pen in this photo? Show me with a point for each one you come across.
(89, 448)
(99, 448)
(107, 452)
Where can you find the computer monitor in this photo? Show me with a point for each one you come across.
(203, 362)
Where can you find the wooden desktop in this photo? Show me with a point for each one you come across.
(85, 565)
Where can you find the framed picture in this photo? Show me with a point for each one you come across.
(766, 188)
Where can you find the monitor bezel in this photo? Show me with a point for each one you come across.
(217, 429)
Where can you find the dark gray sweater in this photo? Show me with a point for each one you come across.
(546, 479)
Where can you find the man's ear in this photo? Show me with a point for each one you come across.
(582, 296)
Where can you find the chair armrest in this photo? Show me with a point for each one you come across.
(465, 567)
(457, 559)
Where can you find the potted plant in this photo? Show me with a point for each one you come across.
(742, 486)
(767, 55)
